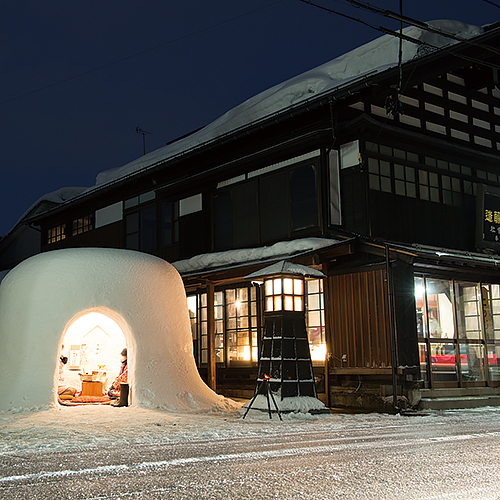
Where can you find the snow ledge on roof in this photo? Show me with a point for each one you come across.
(283, 249)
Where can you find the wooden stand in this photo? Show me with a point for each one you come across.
(93, 388)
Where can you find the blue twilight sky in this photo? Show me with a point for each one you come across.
(78, 78)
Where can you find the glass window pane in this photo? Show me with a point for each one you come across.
(467, 308)
(385, 184)
(374, 182)
(313, 301)
(422, 348)
(298, 303)
(493, 362)
(443, 363)
(472, 362)
(298, 287)
(277, 303)
(303, 197)
(313, 318)
(269, 287)
(288, 303)
(277, 286)
(288, 285)
(269, 304)
(439, 308)
(313, 286)
(399, 188)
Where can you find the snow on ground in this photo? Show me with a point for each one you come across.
(73, 428)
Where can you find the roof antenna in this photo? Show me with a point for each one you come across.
(143, 132)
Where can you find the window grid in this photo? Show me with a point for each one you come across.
(82, 225)
(57, 233)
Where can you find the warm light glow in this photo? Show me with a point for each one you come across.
(269, 304)
(246, 353)
(237, 304)
(298, 287)
(298, 303)
(288, 303)
(92, 342)
(277, 303)
(318, 352)
(288, 286)
(269, 287)
(277, 286)
(191, 300)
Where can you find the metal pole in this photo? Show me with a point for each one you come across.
(393, 328)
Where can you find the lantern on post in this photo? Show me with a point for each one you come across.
(285, 359)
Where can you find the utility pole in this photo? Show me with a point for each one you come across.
(143, 132)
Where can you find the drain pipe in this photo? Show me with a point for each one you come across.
(392, 320)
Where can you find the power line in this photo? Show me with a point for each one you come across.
(403, 36)
(492, 3)
(421, 25)
(137, 54)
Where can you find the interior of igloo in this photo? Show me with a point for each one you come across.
(92, 343)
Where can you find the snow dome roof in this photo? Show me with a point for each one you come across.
(144, 295)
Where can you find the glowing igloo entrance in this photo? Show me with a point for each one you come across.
(92, 342)
(44, 295)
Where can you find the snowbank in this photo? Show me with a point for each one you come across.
(144, 295)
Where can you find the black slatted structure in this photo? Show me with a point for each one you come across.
(285, 356)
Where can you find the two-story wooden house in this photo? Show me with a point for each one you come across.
(382, 173)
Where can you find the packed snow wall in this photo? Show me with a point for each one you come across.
(145, 295)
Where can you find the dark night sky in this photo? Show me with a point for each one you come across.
(78, 77)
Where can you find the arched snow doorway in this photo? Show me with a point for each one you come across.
(143, 294)
(92, 342)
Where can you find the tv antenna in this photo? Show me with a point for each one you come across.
(143, 132)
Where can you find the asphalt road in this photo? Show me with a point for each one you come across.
(423, 458)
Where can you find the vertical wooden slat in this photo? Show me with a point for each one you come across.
(359, 320)
(211, 363)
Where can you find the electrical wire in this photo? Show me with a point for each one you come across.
(404, 37)
(425, 26)
(492, 3)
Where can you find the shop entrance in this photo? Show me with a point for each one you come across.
(92, 342)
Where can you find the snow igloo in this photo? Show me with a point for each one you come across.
(142, 297)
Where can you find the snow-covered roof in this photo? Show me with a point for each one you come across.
(221, 260)
(286, 267)
(373, 57)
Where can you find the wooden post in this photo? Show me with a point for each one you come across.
(211, 363)
(328, 331)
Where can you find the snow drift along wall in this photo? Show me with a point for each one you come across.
(145, 295)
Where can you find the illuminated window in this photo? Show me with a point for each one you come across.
(57, 233)
(82, 225)
(236, 326)
(315, 319)
(241, 324)
(219, 327)
(284, 294)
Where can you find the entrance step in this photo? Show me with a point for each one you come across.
(454, 398)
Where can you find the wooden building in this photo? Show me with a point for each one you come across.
(387, 181)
